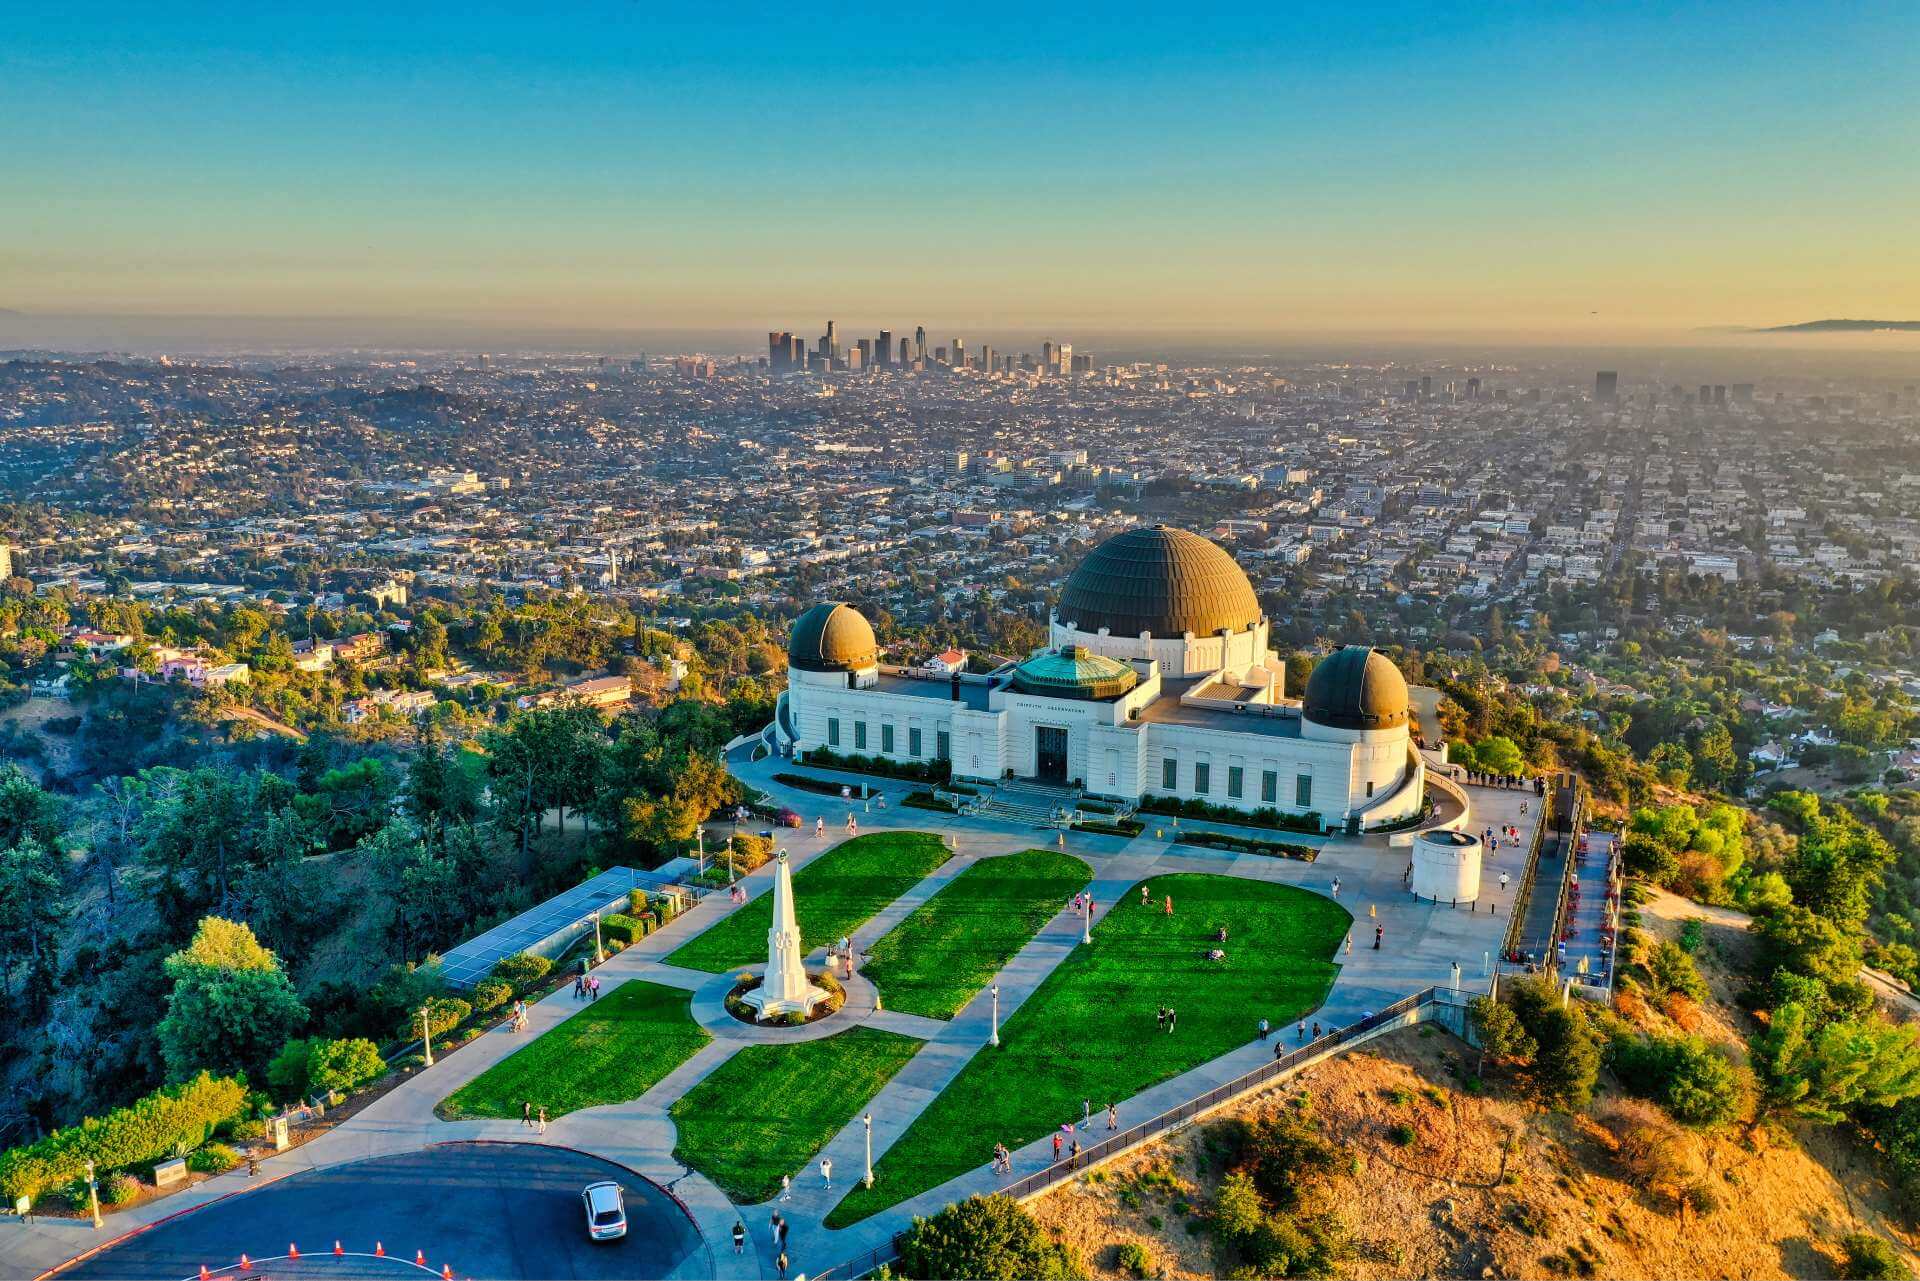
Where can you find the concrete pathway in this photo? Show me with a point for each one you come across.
(1421, 943)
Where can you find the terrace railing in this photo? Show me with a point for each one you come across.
(1406, 1011)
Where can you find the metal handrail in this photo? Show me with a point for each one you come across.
(1173, 1118)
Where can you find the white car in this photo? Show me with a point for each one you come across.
(606, 1211)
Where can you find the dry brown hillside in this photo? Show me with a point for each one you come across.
(1491, 1186)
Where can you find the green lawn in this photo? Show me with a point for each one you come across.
(832, 896)
(933, 962)
(1089, 1031)
(769, 1109)
(613, 1050)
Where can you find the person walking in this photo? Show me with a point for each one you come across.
(1144, 900)
(1303, 1031)
(1379, 931)
(786, 1187)
(739, 1237)
(780, 1264)
(1503, 880)
(1173, 1016)
(1113, 1117)
(819, 827)
(1160, 1019)
(826, 1171)
(1316, 1031)
(526, 1114)
(1263, 1029)
(1073, 1155)
(543, 1120)
(1169, 905)
(1086, 1111)
(1349, 942)
(1056, 1147)
(780, 1233)
(1336, 887)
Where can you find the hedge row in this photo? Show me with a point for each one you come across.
(150, 1129)
(1308, 822)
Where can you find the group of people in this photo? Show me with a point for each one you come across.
(1166, 1018)
(776, 1231)
(518, 1021)
(532, 1117)
(586, 987)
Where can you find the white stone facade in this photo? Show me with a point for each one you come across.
(1205, 722)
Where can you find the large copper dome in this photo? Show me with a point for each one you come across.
(1357, 687)
(832, 637)
(1161, 580)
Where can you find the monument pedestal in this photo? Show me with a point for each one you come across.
(784, 989)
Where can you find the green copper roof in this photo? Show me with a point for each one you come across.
(1074, 672)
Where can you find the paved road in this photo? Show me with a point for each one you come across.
(487, 1209)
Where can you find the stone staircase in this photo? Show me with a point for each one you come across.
(1025, 801)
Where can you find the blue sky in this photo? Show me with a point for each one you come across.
(1396, 167)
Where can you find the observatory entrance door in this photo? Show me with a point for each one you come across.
(1050, 753)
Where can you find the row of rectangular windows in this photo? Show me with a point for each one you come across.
(943, 744)
(1236, 782)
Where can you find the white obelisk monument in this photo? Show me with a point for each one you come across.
(785, 989)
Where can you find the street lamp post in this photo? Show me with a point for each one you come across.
(599, 952)
(867, 1121)
(426, 1036)
(995, 1038)
(1086, 920)
(730, 860)
(93, 1191)
(700, 839)
(1456, 976)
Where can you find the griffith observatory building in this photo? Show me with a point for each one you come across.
(1157, 681)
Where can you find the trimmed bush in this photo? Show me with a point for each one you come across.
(147, 1130)
(622, 929)
(341, 1065)
(215, 1158)
(522, 969)
(119, 1189)
(491, 994)
(444, 1013)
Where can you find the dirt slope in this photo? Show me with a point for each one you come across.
(1492, 1187)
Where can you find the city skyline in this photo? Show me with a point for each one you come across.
(1595, 175)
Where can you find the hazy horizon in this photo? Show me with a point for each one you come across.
(1590, 174)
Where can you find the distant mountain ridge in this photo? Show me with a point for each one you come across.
(1844, 327)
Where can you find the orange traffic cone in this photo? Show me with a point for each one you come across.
(204, 1274)
(419, 1258)
(246, 1264)
(379, 1250)
(337, 1249)
(446, 1272)
(293, 1251)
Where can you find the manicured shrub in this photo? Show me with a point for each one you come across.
(119, 1189)
(1135, 1260)
(247, 1131)
(491, 994)
(444, 1013)
(341, 1065)
(215, 1158)
(619, 928)
(522, 969)
(146, 1130)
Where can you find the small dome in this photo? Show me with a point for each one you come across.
(1357, 687)
(1161, 580)
(1074, 671)
(832, 637)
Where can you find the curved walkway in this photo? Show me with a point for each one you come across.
(1423, 943)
